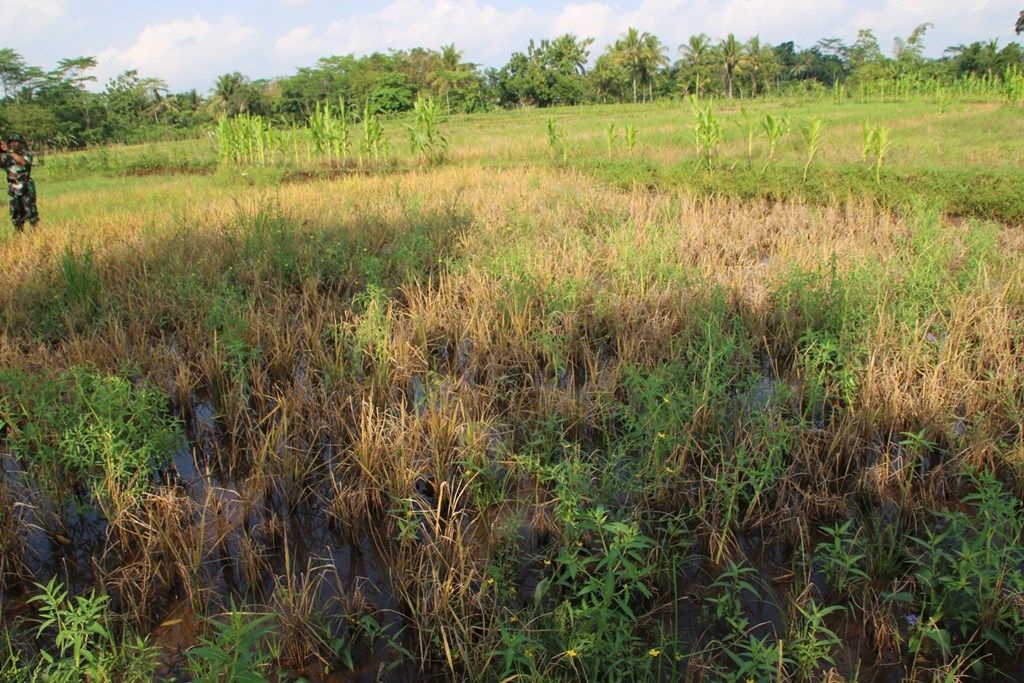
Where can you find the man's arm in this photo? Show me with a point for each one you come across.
(19, 159)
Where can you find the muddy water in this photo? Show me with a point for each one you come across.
(255, 540)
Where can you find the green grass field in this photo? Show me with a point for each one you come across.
(573, 404)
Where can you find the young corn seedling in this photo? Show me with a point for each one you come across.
(556, 141)
(875, 145)
(707, 131)
(812, 141)
(631, 132)
(749, 128)
(775, 128)
(611, 136)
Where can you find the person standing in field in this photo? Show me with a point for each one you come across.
(21, 189)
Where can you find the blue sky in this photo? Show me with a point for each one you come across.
(188, 43)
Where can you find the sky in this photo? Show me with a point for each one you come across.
(188, 43)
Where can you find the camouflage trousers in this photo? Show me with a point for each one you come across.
(23, 203)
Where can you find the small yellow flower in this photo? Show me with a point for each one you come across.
(665, 399)
(661, 435)
(490, 580)
(547, 563)
(654, 652)
(513, 619)
(571, 654)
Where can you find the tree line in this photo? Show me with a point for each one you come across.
(57, 108)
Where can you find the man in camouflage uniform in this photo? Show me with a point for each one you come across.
(21, 189)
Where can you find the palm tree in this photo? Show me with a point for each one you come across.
(449, 72)
(697, 52)
(641, 54)
(732, 56)
(762, 63)
(230, 92)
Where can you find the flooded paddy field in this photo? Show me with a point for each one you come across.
(517, 425)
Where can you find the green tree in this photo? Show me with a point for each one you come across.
(129, 99)
(697, 53)
(640, 54)
(733, 57)
(762, 65)
(550, 72)
(909, 52)
(13, 72)
(393, 92)
(234, 94)
(458, 82)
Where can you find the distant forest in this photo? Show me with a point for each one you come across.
(56, 108)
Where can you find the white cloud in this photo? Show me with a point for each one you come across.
(590, 20)
(480, 30)
(30, 17)
(299, 42)
(487, 33)
(954, 22)
(184, 52)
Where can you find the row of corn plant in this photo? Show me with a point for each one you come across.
(246, 140)
(329, 128)
(708, 134)
(425, 137)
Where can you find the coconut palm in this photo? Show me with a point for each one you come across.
(762, 64)
(697, 53)
(733, 57)
(450, 70)
(231, 93)
(641, 54)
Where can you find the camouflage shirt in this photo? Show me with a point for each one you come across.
(17, 174)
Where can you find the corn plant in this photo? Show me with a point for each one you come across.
(707, 131)
(556, 141)
(631, 133)
(838, 92)
(373, 146)
(875, 146)
(775, 128)
(425, 136)
(244, 140)
(330, 131)
(867, 132)
(611, 136)
(749, 128)
(1013, 85)
(811, 133)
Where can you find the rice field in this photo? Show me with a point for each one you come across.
(580, 394)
